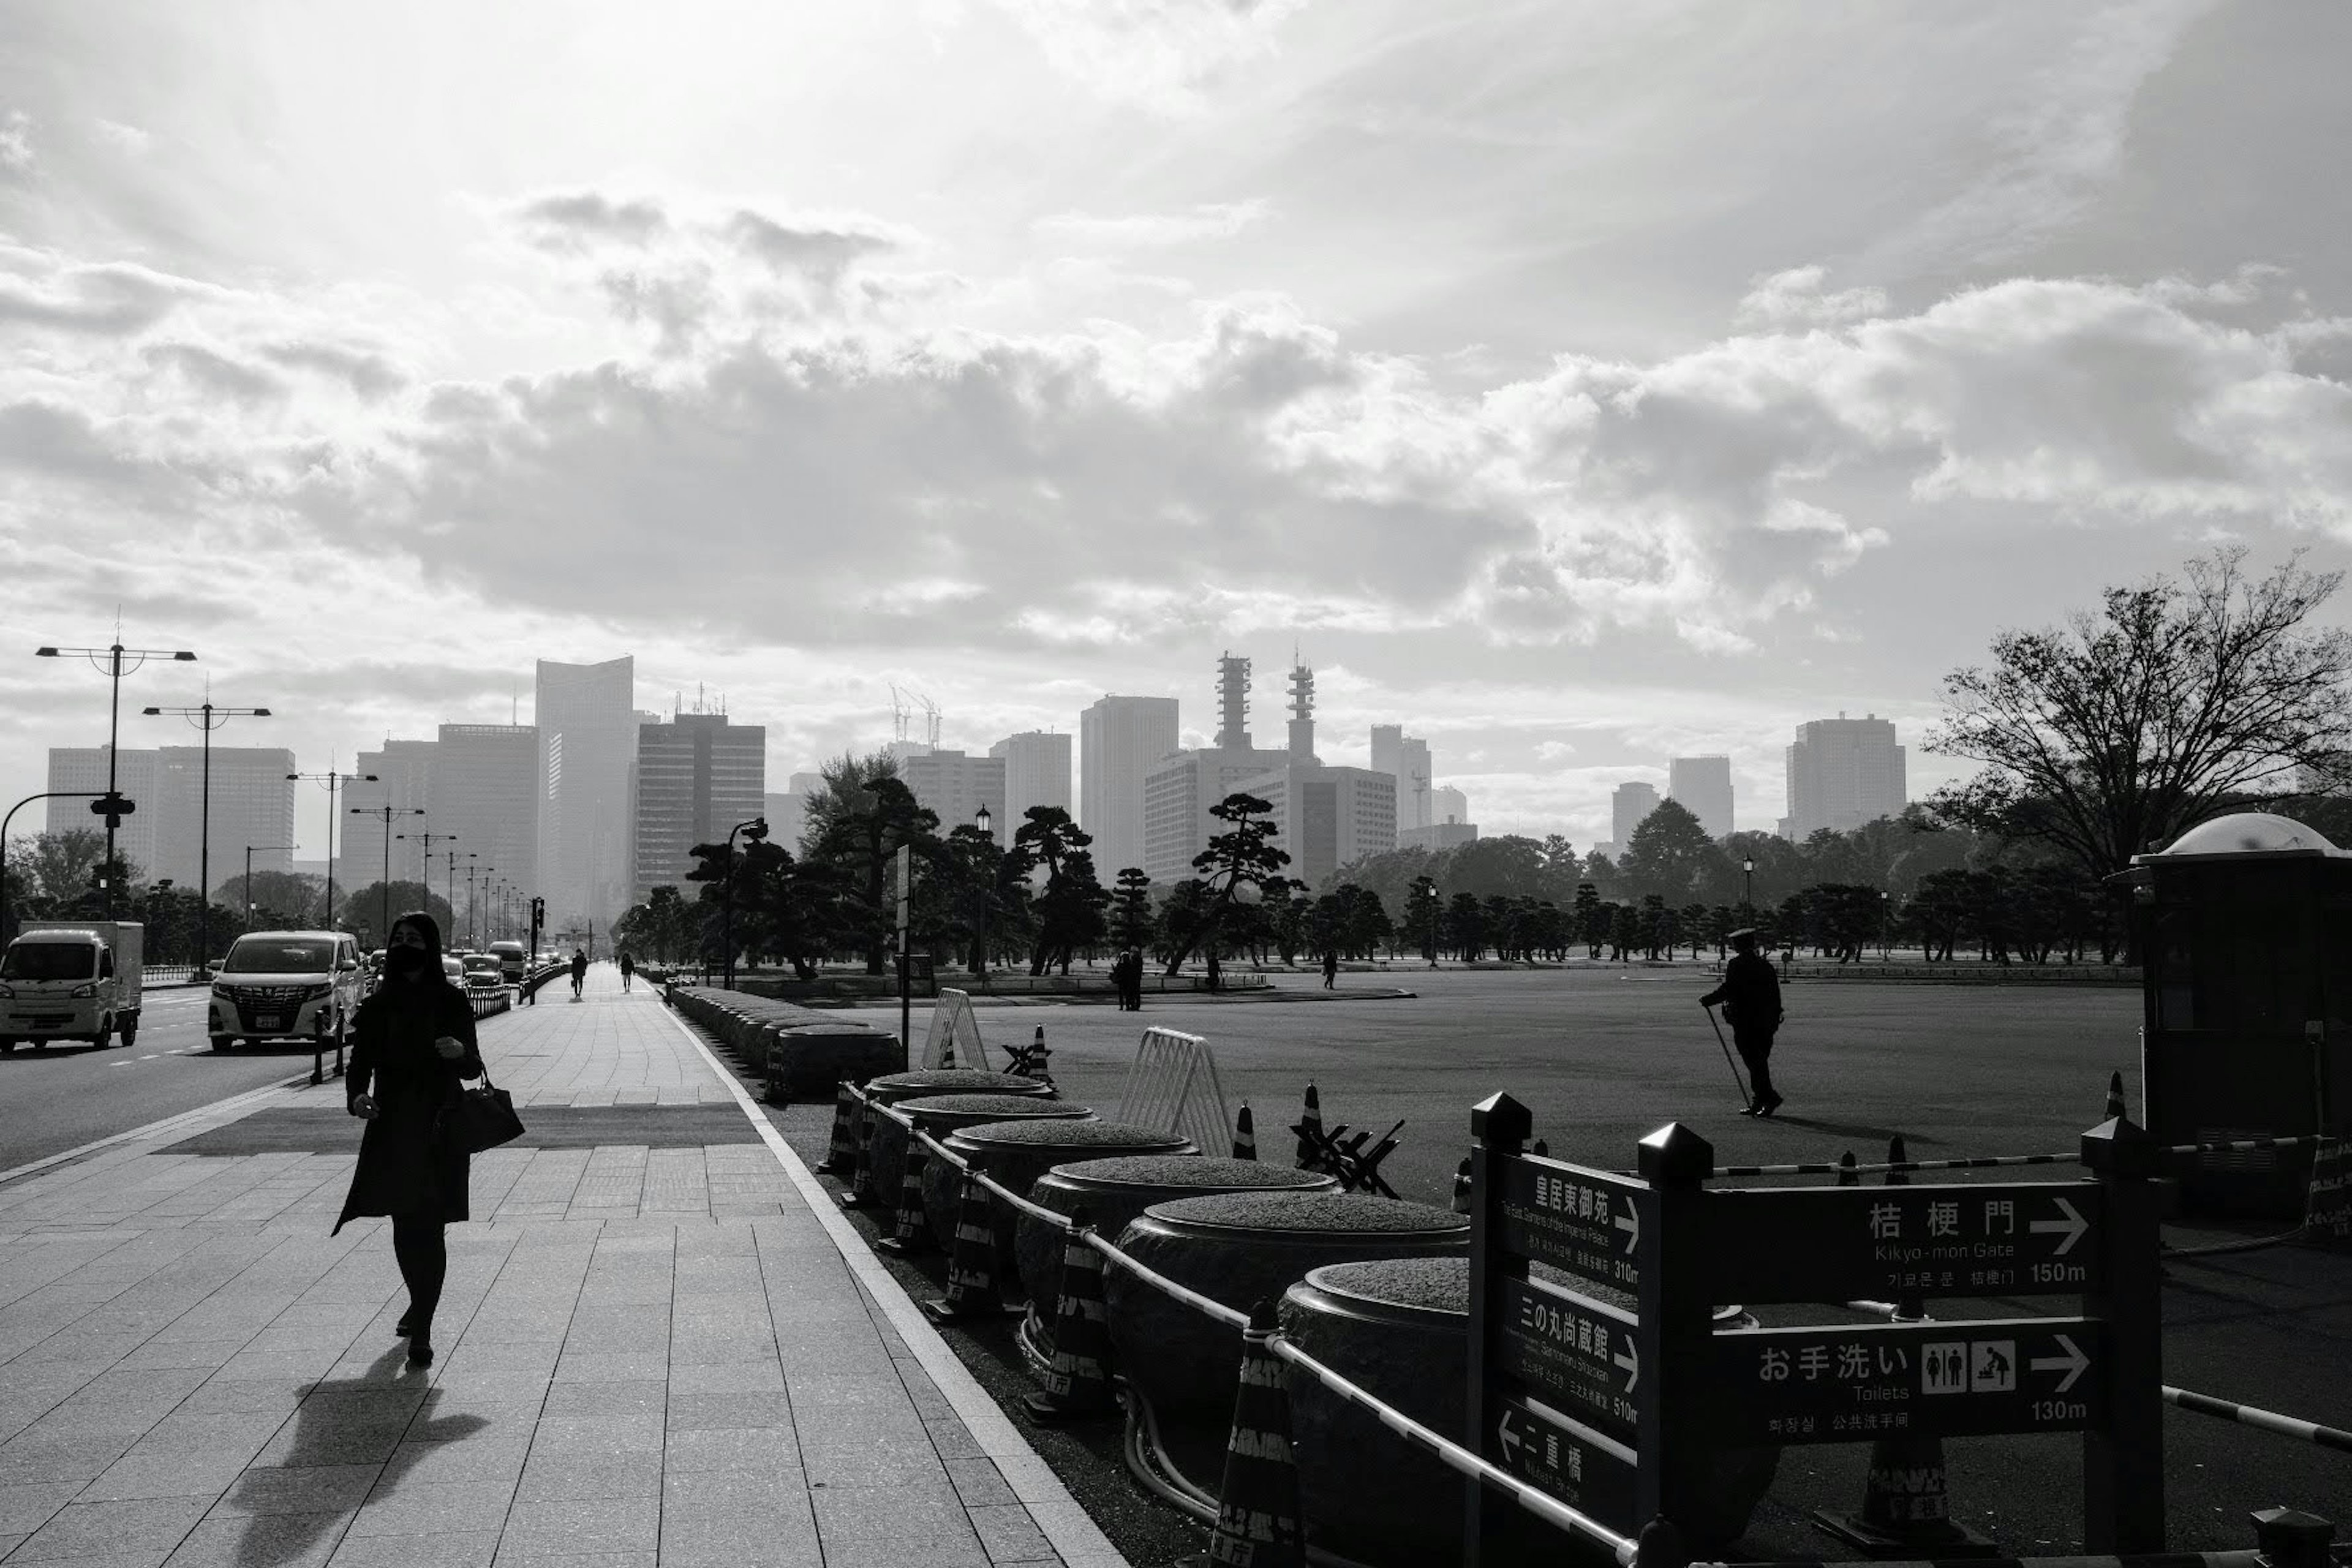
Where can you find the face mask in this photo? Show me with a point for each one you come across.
(407, 962)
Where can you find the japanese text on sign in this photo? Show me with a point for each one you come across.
(1949, 1379)
(1945, 1240)
(1581, 1221)
(1576, 1352)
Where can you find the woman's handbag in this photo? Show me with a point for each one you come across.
(482, 1119)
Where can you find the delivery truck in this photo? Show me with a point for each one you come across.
(70, 980)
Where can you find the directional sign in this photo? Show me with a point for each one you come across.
(1579, 1354)
(1835, 1243)
(1948, 1380)
(1583, 1221)
(1594, 1479)
(2327, 1215)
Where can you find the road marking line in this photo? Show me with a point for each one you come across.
(154, 1129)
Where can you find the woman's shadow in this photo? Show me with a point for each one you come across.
(343, 1450)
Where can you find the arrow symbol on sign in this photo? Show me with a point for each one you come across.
(1507, 1434)
(1630, 1222)
(1630, 1363)
(2071, 1227)
(2073, 1364)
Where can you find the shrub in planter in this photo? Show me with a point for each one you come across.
(1239, 1248)
(889, 1153)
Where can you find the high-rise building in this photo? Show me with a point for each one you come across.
(698, 776)
(1036, 772)
(1119, 741)
(1702, 787)
(587, 723)
(788, 813)
(1627, 806)
(252, 803)
(83, 768)
(1438, 835)
(1842, 772)
(1182, 787)
(1446, 804)
(485, 792)
(1406, 757)
(953, 787)
(403, 781)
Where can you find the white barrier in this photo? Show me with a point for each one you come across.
(1173, 1085)
(954, 1039)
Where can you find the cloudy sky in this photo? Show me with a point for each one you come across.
(1577, 384)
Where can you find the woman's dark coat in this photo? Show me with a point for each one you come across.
(406, 1167)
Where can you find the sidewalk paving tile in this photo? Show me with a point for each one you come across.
(647, 1356)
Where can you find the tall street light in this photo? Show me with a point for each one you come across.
(982, 820)
(755, 830)
(206, 717)
(450, 881)
(266, 849)
(424, 861)
(1747, 869)
(473, 857)
(384, 884)
(111, 805)
(5, 821)
(332, 781)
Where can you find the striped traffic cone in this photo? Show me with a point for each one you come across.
(1078, 1382)
(861, 1171)
(1244, 1135)
(841, 1148)
(2114, 1111)
(1907, 1505)
(1310, 1119)
(1259, 1523)
(910, 1227)
(972, 1262)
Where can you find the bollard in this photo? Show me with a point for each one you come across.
(1660, 1545)
(1310, 1119)
(972, 1264)
(1078, 1382)
(1540, 1150)
(910, 1227)
(1244, 1135)
(840, 1148)
(2290, 1538)
(1258, 1518)
(1907, 1508)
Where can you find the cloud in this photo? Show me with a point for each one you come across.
(15, 140)
(369, 374)
(1207, 220)
(112, 299)
(576, 221)
(1796, 297)
(217, 374)
(1156, 54)
(129, 139)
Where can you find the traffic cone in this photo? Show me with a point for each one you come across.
(1244, 1135)
(1906, 1506)
(861, 1169)
(1462, 1187)
(1078, 1382)
(2115, 1109)
(910, 1228)
(1310, 1118)
(947, 1052)
(1846, 1175)
(1259, 1523)
(841, 1148)
(972, 1264)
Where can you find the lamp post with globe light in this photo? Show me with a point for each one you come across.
(982, 820)
(111, 805)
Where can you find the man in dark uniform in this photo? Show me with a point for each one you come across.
(1750, 994)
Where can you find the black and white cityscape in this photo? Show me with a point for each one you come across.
(818, 783)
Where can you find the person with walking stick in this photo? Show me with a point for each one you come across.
(1750, 994)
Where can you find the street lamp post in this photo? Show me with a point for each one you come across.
(332, 781)
(1747, 898)
(266, 849)
(384, 884)
(982, 820)
(449, 880)
(755, 830)
(473, 857)
(206, 717)
(425, 861)
(114, 669)
(5, 821)
(1885, 923)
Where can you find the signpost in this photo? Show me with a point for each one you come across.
(1619, 1414)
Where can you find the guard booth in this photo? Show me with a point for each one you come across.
(2244, 925)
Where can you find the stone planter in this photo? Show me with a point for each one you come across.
(1018, 1152)
(942, 1114)
(1399, 1329)
(1240, 1248)
(810, 1060)
(1116, 1192)
(889, 1151)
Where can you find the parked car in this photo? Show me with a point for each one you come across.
(286, 984)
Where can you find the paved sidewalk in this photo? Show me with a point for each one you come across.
(648, 1354)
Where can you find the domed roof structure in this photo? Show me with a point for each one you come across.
(2243, 833)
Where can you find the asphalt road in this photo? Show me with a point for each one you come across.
(64, 1096)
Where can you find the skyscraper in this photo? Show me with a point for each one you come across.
(1119, 739)
(135, 775)
(252, 803)
(403, 780)
(1181, 786)
(1627, 806)
(953, 787)
(1036, 772)
(587, 739)
(1702, 787)
(1406, 758)
(698, 777)
(1844, 772)
(485, 790)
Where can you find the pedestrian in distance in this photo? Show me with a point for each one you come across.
(1750, 996)
(579, 970)
(628, 969)
(413, 1044)
(1134, 980)
(1330, 968)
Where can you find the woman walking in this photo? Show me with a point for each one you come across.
(413, 1044)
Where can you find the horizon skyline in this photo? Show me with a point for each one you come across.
(1586, 387)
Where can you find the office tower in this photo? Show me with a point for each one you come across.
(403, 781)
(252, 803)
(485, 790)
(1036, 772)
(1627, 806)
(1438, 835)
(1323, 817)
(1842, 772)
(586, 718)
(698, 777)
(1406, 758)
(1702, 787)
(954, 786)
(84, 768)
(1181, 786)
(1119, 741)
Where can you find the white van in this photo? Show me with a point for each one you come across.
(514, 959)
(72, 980)
(286, 985)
